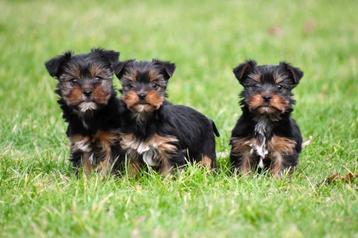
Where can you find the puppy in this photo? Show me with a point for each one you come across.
(89, 106)
(266, 137)
(154, 132)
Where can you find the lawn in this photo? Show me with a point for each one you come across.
(41, 197)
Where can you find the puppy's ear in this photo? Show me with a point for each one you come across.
(109, 55)
(120, 68)
(294, 73)
(55, 64)
(167, 68)
(243, 70)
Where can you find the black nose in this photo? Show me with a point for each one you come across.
(266, 98)
(142, 95)
(87, 93)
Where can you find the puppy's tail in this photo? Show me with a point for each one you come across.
(215, 129)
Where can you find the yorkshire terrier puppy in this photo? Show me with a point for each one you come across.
(266, 137)
(154, 132)
(90, 107)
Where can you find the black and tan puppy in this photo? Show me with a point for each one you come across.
(155, 132)
(265, 136)
(90, 107)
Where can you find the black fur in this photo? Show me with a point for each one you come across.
(105, 119)
(260, 80)
(193, 130)
(73, 71)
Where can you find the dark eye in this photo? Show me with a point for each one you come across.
(73, 80)
(98, 78)
(155, 86)
(129, 86)
(279, 87)
(255, 85)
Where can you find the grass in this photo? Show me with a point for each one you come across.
(40, 196)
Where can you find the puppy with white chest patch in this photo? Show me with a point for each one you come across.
(266, 137)
(156, 133)
(90, 107)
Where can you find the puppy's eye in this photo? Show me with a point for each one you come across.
(129, 86)
(279, 87)
(255, 85)
(155, 86)
(98, 78)
(73, 80)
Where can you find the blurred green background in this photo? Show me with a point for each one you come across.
(39, 195)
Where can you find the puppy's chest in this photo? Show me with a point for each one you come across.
(263, 130)
(98, 145)
(266, 143)
(152, 149)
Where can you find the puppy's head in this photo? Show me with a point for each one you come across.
(85, 80)
(267, 88)
(144, 83)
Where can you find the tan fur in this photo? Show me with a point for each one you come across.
(100, 95)
(255, 76)
(278, 77)
(86, 163)
(165, 167)
(103, 140)
(255, 101)
(131, 75)
(154, 75)
(74, 97)
(131, 99)
(283, 145)
(106, 139)
(163, 145)
(81, 144)
(133, 167)
(71, 71)
(276, 103)
(77, 138)
(246, 164)
(243, 147)
(276, 166)
(279, 103)
(99, 70)
(154, 99)
(207, 162)
(277, 148)
(240, 145)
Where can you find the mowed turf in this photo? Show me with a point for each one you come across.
(41, 197)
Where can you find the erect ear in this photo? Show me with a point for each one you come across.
(294, 73)
(243, 70)
(166, 67)
(109, 55)
(54, 65)
(120, 68)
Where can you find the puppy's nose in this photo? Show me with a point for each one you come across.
(87, 93)
(266, 98)
(142, 95)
